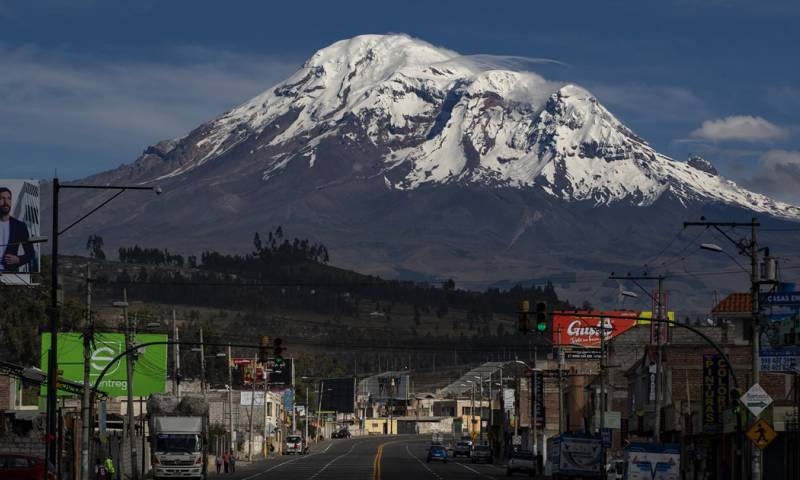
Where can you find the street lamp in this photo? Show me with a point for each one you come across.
(54, 313)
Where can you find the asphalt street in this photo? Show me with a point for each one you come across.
(366, 458)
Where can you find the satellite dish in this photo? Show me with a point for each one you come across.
(710, 321)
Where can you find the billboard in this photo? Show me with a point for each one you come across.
(579, 334)
(19, 221)
(149, 368)
(780, 331)
(570, 329)
(338, 395)
(281, 374)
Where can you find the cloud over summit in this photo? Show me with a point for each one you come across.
(742, 128)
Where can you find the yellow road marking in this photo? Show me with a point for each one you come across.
(376, 462)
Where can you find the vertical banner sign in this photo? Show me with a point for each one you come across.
(659, 329)
(540, 413)
(715, 392)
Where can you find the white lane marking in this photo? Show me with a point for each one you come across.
(332, 461)
(421, 463)
(477, 472)
(301, 457)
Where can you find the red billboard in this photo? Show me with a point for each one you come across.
(577, 330)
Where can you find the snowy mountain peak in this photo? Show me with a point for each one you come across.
(413, 114)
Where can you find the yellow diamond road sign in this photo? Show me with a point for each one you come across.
(761, 434)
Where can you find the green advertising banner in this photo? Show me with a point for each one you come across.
(149, 365)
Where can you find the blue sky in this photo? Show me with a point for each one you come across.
(86, 85)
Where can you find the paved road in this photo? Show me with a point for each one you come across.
(370, 458)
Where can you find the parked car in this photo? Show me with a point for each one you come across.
(462, 448)
(521, 461)
(437, 452)
(23, 467)
(295, 444)
(481, 453)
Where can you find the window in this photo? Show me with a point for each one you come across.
(465, 411)
(269, 409)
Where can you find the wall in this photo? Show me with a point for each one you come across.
(21, 435)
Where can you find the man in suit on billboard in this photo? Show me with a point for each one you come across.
(13, 235)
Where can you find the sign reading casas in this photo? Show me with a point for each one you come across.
(149, 368)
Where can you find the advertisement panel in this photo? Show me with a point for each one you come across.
(570, 329)
(19, 222)
(780, 331)
(281, 374)
(715, 392)
(149, 368)
(338, 395)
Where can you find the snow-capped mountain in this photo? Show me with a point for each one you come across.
(407, 159)
(430, 116)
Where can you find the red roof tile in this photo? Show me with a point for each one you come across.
(734, 303)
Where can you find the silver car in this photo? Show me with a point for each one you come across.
(464, 447)
(295, 444)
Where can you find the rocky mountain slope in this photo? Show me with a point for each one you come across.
(407, 159)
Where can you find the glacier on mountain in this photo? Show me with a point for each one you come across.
(435, 117)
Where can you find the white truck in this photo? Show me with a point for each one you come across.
(652, 461)
(178, 436)
(574, 456)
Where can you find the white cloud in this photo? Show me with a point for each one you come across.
(778, 174)
(122, 105)
(742, 128)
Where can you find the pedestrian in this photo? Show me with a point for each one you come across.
(100, 472)
(218, 463)
(226, 457)
(110, 470)
(233, 462)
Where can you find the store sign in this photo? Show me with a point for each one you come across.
(715, 392)
(780, 332)
(149, 367)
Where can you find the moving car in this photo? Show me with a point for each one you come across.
(23, 467)
(295, 444)
(463, 447)
(481, 453)
(521, 461)
(437, 452)
(343, 433)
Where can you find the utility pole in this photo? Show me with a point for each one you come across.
(560, 385)
(231, 445)
(751, 250)
(252, 412)
(294, 400)
(176, 362)
(656, 327)
(202, 365)
(308, 411)
(129, 365)
(603, 389)
(266, 389)
(86, 406)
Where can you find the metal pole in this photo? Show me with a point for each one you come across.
(86, 416)
(202, 365)
(176, 360)
(252, 410)
(755, 291)
(560, 385)
(232, 445)
(319, 407)
(308, 408)
(603, 392)
(294, 395)
(52, 362)
(129, 369)
(266, 389)
(658, 326)
(534, 399)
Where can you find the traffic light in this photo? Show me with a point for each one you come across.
(524, 310)
(541, 317)
(277, 351)
(263, 349)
